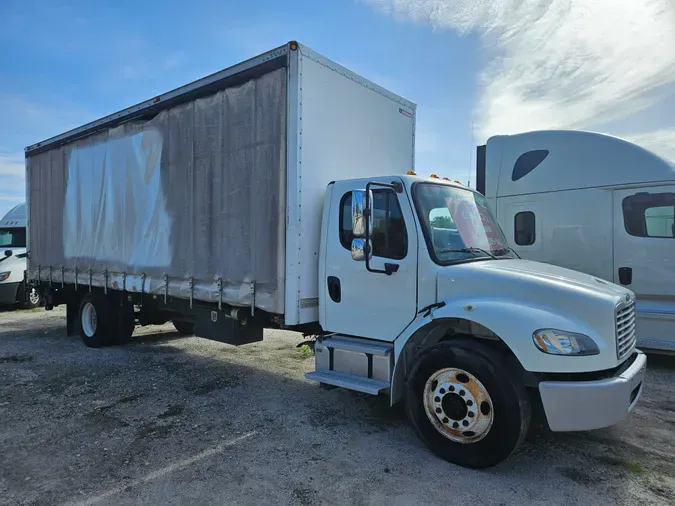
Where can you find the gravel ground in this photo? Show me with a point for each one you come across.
(171, 420)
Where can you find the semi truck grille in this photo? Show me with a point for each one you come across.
(625, 329)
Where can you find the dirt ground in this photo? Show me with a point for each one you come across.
(171, 420)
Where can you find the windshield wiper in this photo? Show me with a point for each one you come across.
(508, 248)
(468, 250)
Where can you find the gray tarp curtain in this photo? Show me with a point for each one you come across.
(196, 192)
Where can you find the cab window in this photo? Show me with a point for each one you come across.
(389, 236)
(650, 215)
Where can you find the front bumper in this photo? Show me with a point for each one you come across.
(588, 405)
(8, 293)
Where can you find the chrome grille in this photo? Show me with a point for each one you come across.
(625, 329)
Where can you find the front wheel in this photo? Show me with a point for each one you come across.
(465, 405)
(30, 300)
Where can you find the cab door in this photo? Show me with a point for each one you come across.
(362, 303)
(644, 259)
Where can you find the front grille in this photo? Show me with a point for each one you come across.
(625, 329)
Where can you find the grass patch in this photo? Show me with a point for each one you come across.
(305, 351)
(634, 467)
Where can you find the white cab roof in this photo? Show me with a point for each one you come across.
(554, 160)
(15, 217)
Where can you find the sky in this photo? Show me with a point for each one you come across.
(475, 68)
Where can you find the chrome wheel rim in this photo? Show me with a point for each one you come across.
(89, 319)
(458, 405)
(34, 297)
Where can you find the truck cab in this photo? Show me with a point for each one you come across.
(593, 203)
(13, 260)
(424, 299)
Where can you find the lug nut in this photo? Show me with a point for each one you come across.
(455, 425)
(445, 420)
(471, 415)
(462, 392)
(442, 390)
(469, 402)
(439, 410)
(437, 399)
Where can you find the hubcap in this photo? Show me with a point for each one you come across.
(34, 297)
(458, 405)
(89, 319)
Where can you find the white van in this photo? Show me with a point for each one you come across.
(13, 261)
(593, 203)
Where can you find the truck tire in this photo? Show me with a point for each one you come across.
(126, 323)
(184, 328)
(465, 405)
(29, 300)
(94, 319)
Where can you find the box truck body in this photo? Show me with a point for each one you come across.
(280, 193)
(214, 192)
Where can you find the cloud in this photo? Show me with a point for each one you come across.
(12, 165)
(661, 142)
(559, 63)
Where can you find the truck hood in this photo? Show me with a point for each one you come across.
(15, 252)
(513, 298)
(554, 275)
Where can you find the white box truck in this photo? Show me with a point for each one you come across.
(13, 261)
(280, 193)
(593, 203)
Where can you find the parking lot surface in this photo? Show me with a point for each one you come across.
(175, 420)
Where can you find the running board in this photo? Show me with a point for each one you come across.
(349, 381)
(356, 345)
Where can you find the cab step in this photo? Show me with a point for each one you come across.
(364, 365)
(354, 344)
(349, 381)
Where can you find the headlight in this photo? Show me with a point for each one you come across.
(4, 275)
(559, 342)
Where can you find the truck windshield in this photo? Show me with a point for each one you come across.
(458, 224)
(12, 237)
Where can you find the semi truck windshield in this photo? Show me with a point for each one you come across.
(458, 224)
(12, 237)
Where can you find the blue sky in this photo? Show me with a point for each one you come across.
(474, 67)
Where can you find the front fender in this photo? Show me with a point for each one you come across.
(514, 324)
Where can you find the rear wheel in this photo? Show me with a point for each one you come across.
(184, 328)
(94, 321)
(126, 323)
(465, 405)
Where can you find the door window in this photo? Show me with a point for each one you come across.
(389, 236)
(524, 228)
(650, 215)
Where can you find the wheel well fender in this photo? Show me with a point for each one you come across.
(442, 329)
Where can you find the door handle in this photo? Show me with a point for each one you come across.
(625, 275)
(334, 289)
(389, 269)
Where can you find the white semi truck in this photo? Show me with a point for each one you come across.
(593, 203)
(13, 261)
(280, 193)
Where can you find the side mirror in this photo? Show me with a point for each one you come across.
(9, 253)
(359, 253)
(360, 214)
